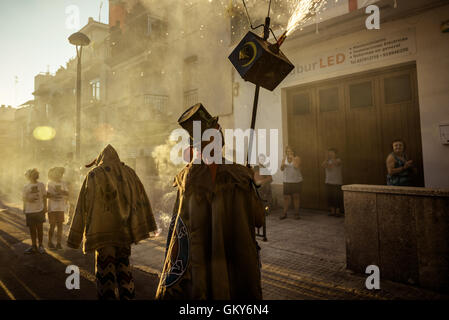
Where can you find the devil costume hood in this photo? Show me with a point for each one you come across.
(113, 208)
(212, 253)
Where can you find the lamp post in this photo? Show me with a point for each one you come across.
(79, 40)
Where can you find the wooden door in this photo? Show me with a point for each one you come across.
(359, 116)
(302, 138)
(362, 143)
(331, 129)
(399, 114)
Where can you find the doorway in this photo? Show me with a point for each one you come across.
(359, 115)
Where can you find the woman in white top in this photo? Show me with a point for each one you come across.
(57, 194)
(291, 166)
(34, 207)
(333, 182)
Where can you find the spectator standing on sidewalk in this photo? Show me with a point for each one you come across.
(291, 166)
(34, 207)
(57, 193)
(400, 169)
(332, 166)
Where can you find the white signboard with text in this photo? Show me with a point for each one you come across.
(360, 53)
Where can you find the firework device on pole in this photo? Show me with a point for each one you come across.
(262, 63)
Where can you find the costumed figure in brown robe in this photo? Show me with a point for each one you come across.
(112, 212)
(212, 251)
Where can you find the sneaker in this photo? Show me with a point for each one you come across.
(58, 246)
(51, 245)
(41, 250)
(297, 217)
(283, 217)
(30, 250)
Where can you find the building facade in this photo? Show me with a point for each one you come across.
(139, 73)
(7, 134)
(352, 88)
(356, 90)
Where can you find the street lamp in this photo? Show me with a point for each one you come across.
(79, 40)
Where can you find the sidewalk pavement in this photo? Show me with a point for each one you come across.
(306, 259)
(302, 259)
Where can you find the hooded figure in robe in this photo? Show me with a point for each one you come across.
(112, 212)
(212, 251)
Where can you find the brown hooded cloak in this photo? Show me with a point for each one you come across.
(113, 208)
(213, 253)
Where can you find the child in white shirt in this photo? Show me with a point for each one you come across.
(57, 193)
(34, 207)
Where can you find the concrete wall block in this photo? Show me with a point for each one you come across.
(361, 230)
(432, 226)
(412, 228)
(397, 238)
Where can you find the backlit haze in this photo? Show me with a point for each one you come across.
(34, 39)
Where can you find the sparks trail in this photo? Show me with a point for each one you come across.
(305, 9)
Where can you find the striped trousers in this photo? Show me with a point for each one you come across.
(113, 273)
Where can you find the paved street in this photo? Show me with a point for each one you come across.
(42, 277)
(302, 259)
(305, 259)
